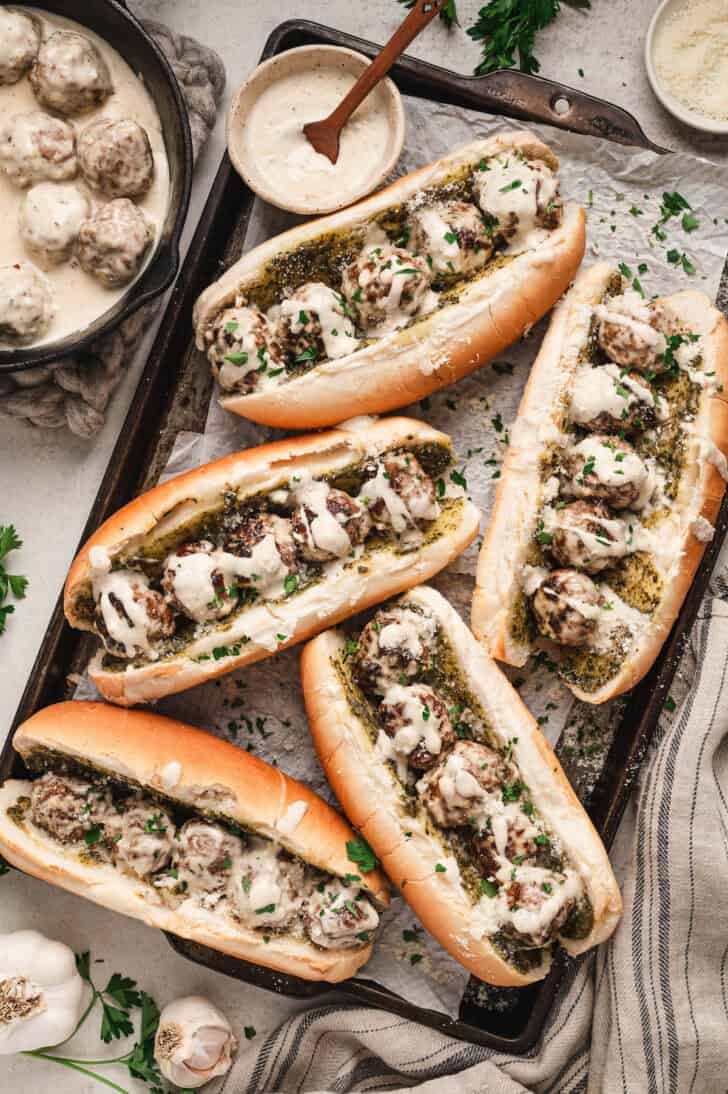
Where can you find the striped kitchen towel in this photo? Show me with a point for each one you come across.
(649, 1012)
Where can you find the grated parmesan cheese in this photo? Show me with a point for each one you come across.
(691, 56)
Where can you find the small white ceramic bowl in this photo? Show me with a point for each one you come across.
(304, 59)
(678, 109)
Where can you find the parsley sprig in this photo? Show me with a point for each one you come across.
(506, 28)
(119, 999)
(449, 14)
(9, 583)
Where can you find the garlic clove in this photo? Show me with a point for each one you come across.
(194, 1042)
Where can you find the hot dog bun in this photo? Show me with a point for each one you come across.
(491, 311)
(184, 767)
(406, 839)
(679, 534)
(256, 632)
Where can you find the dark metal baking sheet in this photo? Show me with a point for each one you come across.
(173, 395)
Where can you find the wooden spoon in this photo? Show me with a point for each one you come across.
(324, 135)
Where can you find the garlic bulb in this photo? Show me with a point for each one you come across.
(41, 992)
(194, 1042)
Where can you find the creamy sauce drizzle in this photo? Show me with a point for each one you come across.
(79, 299)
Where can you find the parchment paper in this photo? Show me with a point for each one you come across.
(261, 707)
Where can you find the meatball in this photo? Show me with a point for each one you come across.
(61, 805)
(204, 855)
(243, 351)
(337, 916)
(608, 468)
(315, 322)
(585, 535)
(69, 75)
(517, 195)
(397, 493)
(417, 720)
(527, 895)
(627, 332)
(113, 241)
(115, 157)
(267, 886)
(19, 41)
(267, 540)
(566, 606)
(508, 835)
(147, 838)
(394, 647)
(130, 617)
(50, 218)
(198, 581)
(26, 304)
(37, 148)
(327, 523)
(456, 791)
(386, 286)
(454, 236)
(606, 397)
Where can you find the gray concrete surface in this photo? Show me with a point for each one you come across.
(47, 481)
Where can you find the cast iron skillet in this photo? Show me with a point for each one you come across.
(112, 22)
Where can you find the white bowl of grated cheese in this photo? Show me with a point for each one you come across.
(686, 53)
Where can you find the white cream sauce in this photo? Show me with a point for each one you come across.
(273, 137)
(79, 298)
(511, 185)
(631, 313)
(607, 389)
(325, 531)
(130, 628)
(322, 302)
(612, 467)
(193, 575)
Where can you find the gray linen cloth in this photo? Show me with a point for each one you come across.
(648, 1012)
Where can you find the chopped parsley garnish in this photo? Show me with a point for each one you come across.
(670, 704)
(488, 888)
(249, 1032)
(542, 840)
(155, 823)
(514, 185)
(267, 909)
(93, 835)
(439, 868)
(450, 237)
(459, 479)
(237, 358)
(310, 354)
(512, 791)
(290, 584)
(359, 852)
